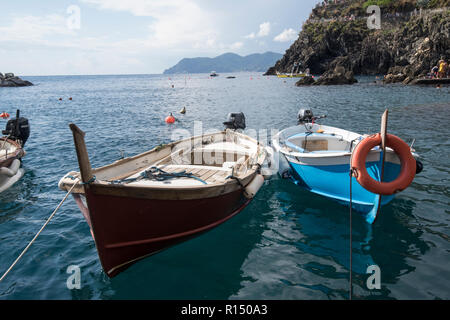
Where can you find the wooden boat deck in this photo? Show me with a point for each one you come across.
(210, 175)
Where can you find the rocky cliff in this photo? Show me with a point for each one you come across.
(413, 37)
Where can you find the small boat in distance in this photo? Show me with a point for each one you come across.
(292, 75)
(318, 158)
(11, 150)
(141, 205)
(213, 74)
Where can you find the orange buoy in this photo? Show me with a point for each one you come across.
(170, 118)
(4, 115)
(403, 151)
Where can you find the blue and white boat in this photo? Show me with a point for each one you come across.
(317, 158)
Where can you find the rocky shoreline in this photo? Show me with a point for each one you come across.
(410, 42)
(10, 80)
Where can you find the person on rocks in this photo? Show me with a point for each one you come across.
(442, 69)
(434, 72)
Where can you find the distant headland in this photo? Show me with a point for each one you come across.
(412, 39)
(228, 62)
(10, 80)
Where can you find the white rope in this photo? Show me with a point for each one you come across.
(37, 235)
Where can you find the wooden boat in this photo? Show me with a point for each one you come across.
(141, 205)
(317, 158)
(11, 151)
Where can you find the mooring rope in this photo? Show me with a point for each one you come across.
(351, 245)
(37, 235)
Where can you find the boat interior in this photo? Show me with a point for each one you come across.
(197, 161)
(316, 140)
(318, 143)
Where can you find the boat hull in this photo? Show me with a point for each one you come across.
(333, 181)
(126, 230)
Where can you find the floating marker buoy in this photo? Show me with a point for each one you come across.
(60, 99)
(70, 98)
(4, 115)
(183, 111)
(173, 86)
(170, 118)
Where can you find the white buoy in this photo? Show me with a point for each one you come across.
(269, 167)
(10, 175)
(253, 187)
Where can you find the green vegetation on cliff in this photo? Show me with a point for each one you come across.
(410, 40)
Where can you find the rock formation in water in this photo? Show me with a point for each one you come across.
(10, 80)
(339, 75)
(305, 81)
(414, 36)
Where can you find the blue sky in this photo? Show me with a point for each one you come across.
(59, 37)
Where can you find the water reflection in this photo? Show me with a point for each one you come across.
(306, 248)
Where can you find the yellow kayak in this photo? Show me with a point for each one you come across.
(295, 75)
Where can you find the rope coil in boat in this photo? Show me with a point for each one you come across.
(155, 173)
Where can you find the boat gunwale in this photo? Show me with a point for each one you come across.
(18, 153)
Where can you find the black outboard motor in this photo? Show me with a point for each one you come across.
(18, 129)
(235, 121)
(305, 116)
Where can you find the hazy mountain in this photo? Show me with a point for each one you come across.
(228, 62)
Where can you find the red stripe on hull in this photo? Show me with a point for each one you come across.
(126, 230)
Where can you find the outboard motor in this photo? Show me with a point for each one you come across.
(235, 121)
(18, 129)
(305, 116)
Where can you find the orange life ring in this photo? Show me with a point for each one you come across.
(408, 165)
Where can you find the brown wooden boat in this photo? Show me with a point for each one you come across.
(141, 205)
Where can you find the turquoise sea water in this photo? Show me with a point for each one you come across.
(287, 244)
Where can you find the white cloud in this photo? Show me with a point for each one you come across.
(287, 35)
(175, 22)
(264, 29)
(236, 45)
(250, 36)
(35, 29)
